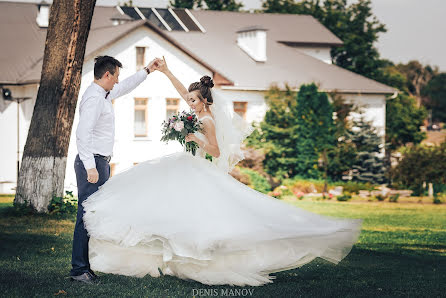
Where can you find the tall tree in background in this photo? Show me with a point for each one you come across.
(275, 135)
(418, 77)
(315, 130)
(342, 157)
(369, 165)
(229, 5)
(182, 3)
(42, 172)
(403, 121)
(391, 75)
(435, 94)
(354, 24)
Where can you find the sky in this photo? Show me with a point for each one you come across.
(415, 28)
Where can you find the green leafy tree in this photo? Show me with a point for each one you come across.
(418, 76)
(421, 164)
(314, 132)
(182, 3)
(229, 5)
(342, 157)
(274, 135)
(435, 93)
(391, 75)
(354, 24)
(403, 121)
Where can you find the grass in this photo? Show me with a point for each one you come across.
(401, 252)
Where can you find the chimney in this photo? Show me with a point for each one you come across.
(43, 14)
(252, 40)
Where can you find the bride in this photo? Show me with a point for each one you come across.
(185, 216)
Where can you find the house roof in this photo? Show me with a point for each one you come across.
(216, 49)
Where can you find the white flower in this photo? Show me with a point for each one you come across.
(178, 126)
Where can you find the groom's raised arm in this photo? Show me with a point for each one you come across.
(127, 85)
(133, 81)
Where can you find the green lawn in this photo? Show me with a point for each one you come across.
(401, 252)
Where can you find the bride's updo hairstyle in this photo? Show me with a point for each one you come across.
(204, 86)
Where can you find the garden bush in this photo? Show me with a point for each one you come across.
(257, 181)
(63, 205)
(344, 197)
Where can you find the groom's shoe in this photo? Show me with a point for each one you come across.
(85, 277)
(94, 275)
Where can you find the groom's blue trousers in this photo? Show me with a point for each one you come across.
(79, 260)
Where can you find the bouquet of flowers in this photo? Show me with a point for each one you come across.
(179, 126)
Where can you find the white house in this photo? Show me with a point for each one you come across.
(244, 53)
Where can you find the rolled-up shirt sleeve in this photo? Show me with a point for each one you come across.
(89, 114)
(128, 84)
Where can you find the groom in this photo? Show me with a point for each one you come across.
(94, 138)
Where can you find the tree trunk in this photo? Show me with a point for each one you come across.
(42, 172)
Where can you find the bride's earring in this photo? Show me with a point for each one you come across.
(204, 108)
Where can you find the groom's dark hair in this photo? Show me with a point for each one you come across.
(102, 64)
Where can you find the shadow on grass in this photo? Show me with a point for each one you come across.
(30, 267)
(35, 255)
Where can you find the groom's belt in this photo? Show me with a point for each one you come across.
(106, 158)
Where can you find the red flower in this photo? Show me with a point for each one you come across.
(190, 118)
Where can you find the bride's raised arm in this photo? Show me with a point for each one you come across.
(162, 66)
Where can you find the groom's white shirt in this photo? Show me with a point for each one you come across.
(96, 129)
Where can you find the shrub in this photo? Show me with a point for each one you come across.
(421, 164)
(299, 184)
(344, 197)
(280, 192)
(21, 209)
(63, 205)
(258, 182)
(355, 186)
(439, 198)
(243, 178)
(380, 198)
(394, 198)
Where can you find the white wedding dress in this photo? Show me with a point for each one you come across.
(184, 215)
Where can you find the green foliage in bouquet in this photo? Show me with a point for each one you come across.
(179, 126)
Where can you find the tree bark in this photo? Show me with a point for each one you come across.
(42, 172)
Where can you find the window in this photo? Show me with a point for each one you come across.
(140, 57)
(240, 108)
(172, 107)
(141, 126)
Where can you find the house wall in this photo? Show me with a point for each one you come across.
(374, 109)
(9, 135)
(129, 149)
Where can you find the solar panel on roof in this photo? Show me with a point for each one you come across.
(169, 18)
(164, 20)
(151, 17)
(131, 12)
(186, 19)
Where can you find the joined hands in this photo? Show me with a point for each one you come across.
(158, 64)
